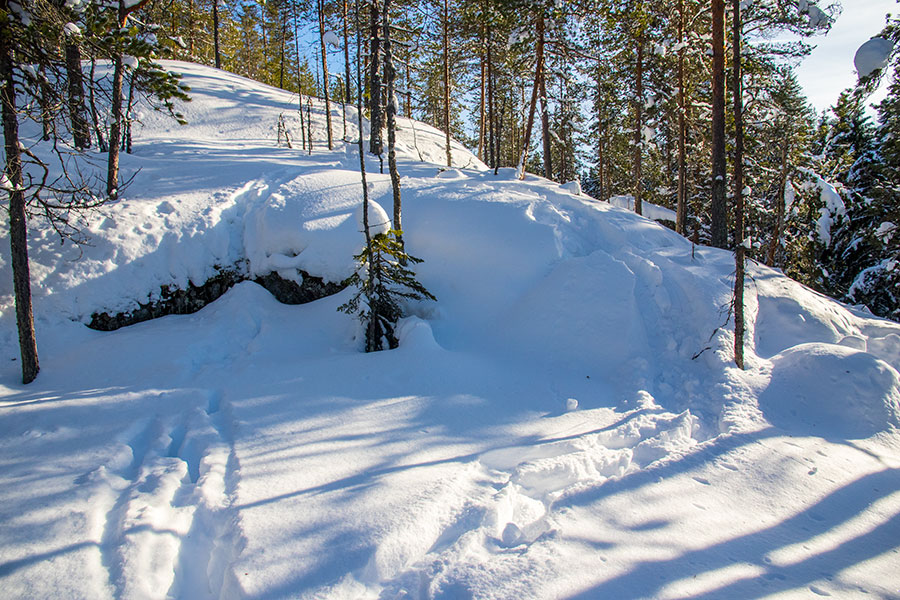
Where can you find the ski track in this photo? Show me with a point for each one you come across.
(173, 481)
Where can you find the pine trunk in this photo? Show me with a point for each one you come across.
(492, 125)
(376, 142)
(389, 78)
(779, 205)
(535, 90)
(347, 98)
(482, 126)
(218, 56)
(325, 73)
(738, 186)
(639, 128)
(81, 134)
(545, 116)
(18, 234)
(115, 128)
(718, 215)
(681, 206)
(446, 44)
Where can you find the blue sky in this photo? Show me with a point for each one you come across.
(829, 69)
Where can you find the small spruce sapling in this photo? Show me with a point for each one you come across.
(383, 280)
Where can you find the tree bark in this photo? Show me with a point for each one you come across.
(639, 128)
(681, 206)
(347, 98)
(492, 125)
(482, 126)
(545, 111)
(115, 127)
(445, 26)
(325, 73)
(389, 78)
(101, 142)
(779, 204)
(376, 119)
(535, 90)
(218, 56)
(75, 87)
(718, 217)
(18, 234)
(372, 327)
(738, 186)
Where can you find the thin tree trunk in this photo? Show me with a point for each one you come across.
(481, 104)
(601, 166)
(115, 127)
(718, 215)
(282, 53)
(681, 206)
(347, 98)
(639, 129)
(373, 333)
(535, 90)
(18, 233)
(101, 141)
(408, 87)
(779, 204)
(218, 57)
(376, 142)
(191, 28)
(309, 137)
(445, 25)
(325, 73)
(738, 187)
(80, 130)
(299, 80)
(389, 77)
(127, 146)
(46, 105)
(492, 125)
(545, 111)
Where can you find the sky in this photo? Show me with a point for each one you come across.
(829, 69)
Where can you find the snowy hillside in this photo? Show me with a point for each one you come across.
(564, 422)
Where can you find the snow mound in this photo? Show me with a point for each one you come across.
(832, 391)
(872, 55)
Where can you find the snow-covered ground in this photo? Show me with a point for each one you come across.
(564, 422)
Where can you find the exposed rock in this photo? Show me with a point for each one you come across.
(291, 292)
(176, 301)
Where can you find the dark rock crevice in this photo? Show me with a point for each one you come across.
(176, 301)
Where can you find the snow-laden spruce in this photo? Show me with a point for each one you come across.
(563, 422)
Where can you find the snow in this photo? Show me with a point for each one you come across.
(332, 39)
(565, 420)
(873, 55)
(648, 209)
(72, 30)
(833, 204)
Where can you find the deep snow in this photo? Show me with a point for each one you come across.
(563, 422)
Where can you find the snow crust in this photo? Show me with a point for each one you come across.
(565, 421)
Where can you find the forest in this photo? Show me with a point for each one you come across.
(617, 94)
